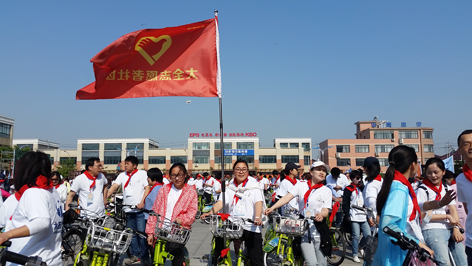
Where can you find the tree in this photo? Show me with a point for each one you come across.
(66, 167)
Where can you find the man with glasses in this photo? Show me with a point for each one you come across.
(92, 188)
(135, 190)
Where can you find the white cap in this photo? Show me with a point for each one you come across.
(319, 163)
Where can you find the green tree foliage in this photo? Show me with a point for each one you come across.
(67, 167)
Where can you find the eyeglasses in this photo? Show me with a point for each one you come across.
(241, 170)
(177, 176)
(98, 165)
(54, 179)
(358, 177)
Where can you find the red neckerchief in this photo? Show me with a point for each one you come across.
(289, 179)
(434, 188)
(129, 178)
(89, 176)
(41, 182)
(353, 187)
(259, 180)
(416, 208)
(218, 180)
(278, 177)
(467, 172)
(308, 193)
(378, 178)
(155, 185)
(453, 182)
(236, 197)
(56, 186)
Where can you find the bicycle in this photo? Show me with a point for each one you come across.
(73, 237)
(279, 249)
(201, 202)
(416, 255)
(371, 246)
(103, 245)
(167, 231)
(8, 256)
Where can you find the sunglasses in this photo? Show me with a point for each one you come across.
(358, 178)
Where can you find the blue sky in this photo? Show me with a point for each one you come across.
(289, 68)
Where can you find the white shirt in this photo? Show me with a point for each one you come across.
(216, 187)
(198, 183)
(37, 204)
(191, 181)
(172, 198)
(165, 180)
(285, 187)
(62, 191)
(133, 193)
(341, 181)
(371, 192)
(93, 206)
(358, 200)
(6, 211)
(263, 182)
(245, 206)
(318, 199)
(211, 181)
(422, 197)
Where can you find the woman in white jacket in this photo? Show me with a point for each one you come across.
(59, 186)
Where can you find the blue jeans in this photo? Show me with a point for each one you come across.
(139, 246)
(438, 241)
(356, 232)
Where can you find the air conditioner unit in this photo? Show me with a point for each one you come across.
(377, 154)
(393, 139)
(338, 155)
(196, 165)
(400, 141)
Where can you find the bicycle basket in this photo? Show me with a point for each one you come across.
(200, 191)
(108, 239)
(219, 228)
(171, 231)
(289, 226)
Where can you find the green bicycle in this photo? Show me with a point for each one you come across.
(167, 231)
(278, 245)
(221, 227)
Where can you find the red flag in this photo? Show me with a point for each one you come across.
(176, 61)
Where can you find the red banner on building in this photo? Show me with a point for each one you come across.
(176, 61)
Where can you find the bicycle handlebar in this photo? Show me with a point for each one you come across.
(13, 257)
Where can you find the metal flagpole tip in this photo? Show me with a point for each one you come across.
(216, 12)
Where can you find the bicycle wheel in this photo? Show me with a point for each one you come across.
(113, 259)
(72, 244)
(275, 259)
(338, 252)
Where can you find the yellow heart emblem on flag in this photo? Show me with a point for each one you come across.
(146, 41)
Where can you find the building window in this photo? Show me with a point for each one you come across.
(90, 147)
(52, 160)
(342, 148)
(247, 158)
(408, 134)
(66, 159)
(267, 159)
(306, 146)
(283, 145)
(133, 146)
(306, 160)
(245, 145)
(383, 135)
(362, 148)
(157, 160)
(201, 159)
(360, 162)
(414, 146)
(112, 146)
(383, 148)
(343, 162)
(227, 159)
(178, 159)
(5, 130)
(226, 146)
(201, 145)
(112, 160)
(290, 158)
(294, 145)
(428, 134)
(383, 162)
(428, 148)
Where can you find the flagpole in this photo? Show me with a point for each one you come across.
(223, 181)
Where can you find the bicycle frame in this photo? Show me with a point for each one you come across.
(98, 258)
(227, 259)
(160, 253)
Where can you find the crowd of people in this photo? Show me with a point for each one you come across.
(421, 206)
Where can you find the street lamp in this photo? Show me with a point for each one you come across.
(321, 155)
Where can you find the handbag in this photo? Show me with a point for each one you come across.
(325, 237)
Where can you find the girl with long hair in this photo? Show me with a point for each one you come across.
(398, 207)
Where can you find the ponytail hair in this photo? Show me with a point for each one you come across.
(400, 159)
